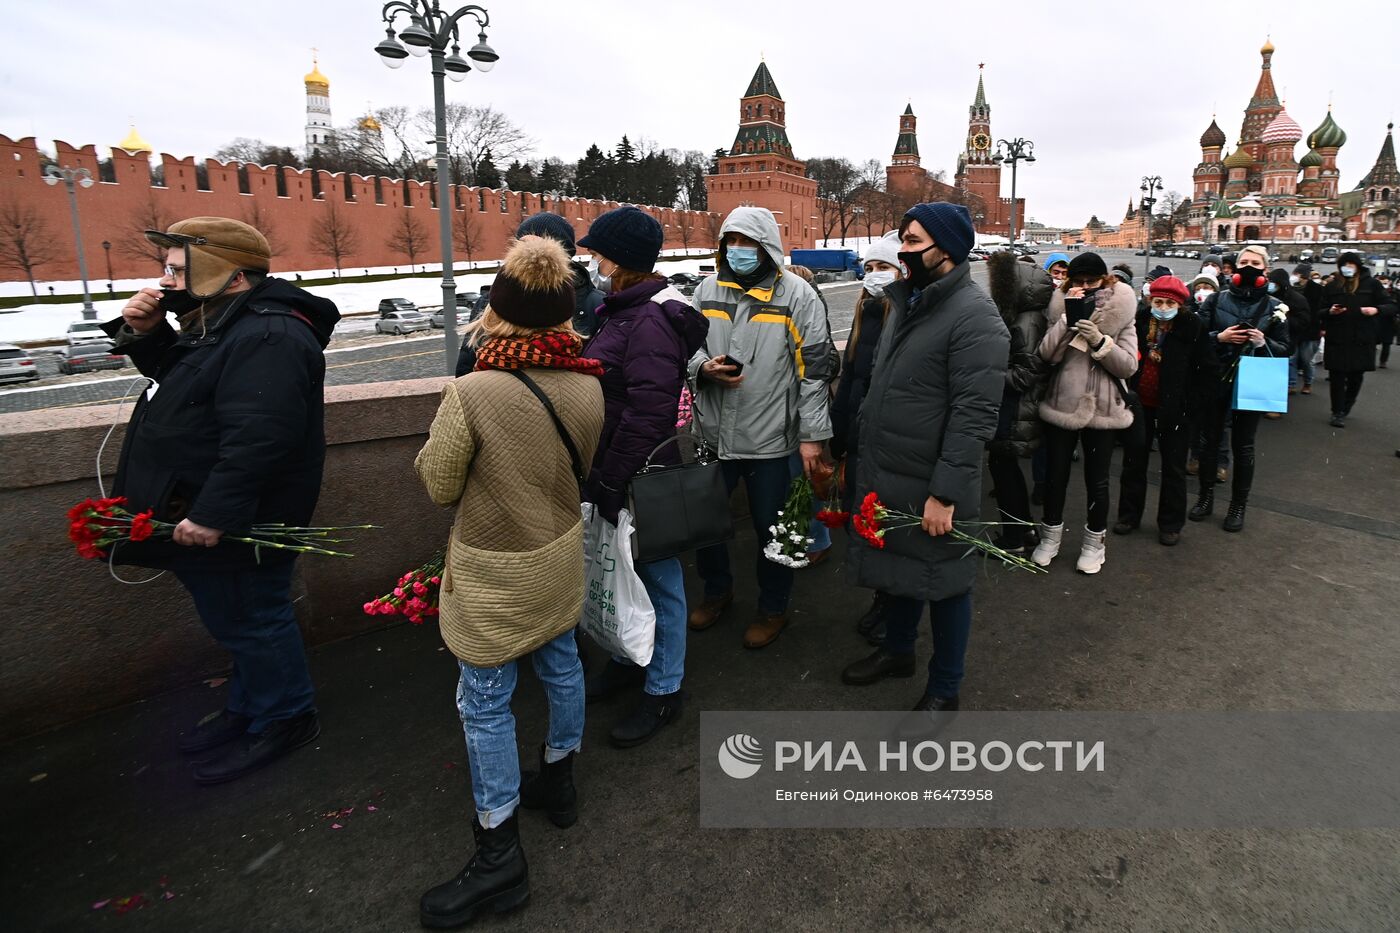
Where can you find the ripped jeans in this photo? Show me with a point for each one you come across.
(483, 701)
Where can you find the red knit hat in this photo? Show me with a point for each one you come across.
(1169, 286)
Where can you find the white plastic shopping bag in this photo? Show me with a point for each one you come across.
(616, 609)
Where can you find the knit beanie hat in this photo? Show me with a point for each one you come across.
(628, 236)
(1350, 258)
(1087, 266)
(1206, 278)
(1259, 251)
(1303, 269)
(950, 225)
(216, 249)
(548, 225)
(885, 249)
(1123, 275)
(1158, 272)
(535, 287)
(1168, 286)
(1054, 258)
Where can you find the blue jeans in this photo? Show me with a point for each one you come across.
(249, 612)
(1303, 360)
(819, 533)
(483, 702)
(952, 622)
(766, 482)
(665, 584)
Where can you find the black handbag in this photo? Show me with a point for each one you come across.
(677, 508)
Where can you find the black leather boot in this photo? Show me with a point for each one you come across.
(929, 717)
(1205, 504)
(613, 679)
(1234, 519)
(496, 879)
(552, 789)
(878, 666)
(254, 750)
(871, 626)
(646, 720)
(213, 730)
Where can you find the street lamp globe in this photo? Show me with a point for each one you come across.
(391, 50)
(456, 66)
(481, 53)
(418, 39)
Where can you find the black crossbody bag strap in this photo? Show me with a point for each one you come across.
(574, 459)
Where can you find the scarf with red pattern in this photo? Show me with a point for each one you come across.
(551, 349)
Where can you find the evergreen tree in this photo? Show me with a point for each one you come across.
(521, 177)
(592, 174)
(552, 177)
(487, 175)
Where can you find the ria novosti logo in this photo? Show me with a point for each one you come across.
(740, 756)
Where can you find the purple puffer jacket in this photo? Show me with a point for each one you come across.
(645, 336)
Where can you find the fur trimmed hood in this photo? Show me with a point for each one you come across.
(1017, 286)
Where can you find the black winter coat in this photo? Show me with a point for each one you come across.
(233, 432)
(1022, 295)
(857, 367)
(1300, 313)
(1314, 294)
(1351, 335)
(931, 409)
(1188, 362)
(1262, 312)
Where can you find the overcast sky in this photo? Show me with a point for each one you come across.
(1109, 92)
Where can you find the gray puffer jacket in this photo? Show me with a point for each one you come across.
(931, 409)
(1022, 294)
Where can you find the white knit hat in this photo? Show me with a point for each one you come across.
(885, 249)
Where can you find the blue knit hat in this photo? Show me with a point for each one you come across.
(950, 225)
(1054, 258)
(551, 227)
(628, 236)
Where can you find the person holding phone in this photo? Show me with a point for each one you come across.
(1091, 344)
(1242, 320)
(1355, 309)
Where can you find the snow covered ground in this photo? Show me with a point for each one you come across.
(47, 322)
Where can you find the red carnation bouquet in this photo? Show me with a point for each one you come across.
(415, 596)
(875, 520)
(97, 525)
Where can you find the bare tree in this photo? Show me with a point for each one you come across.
(150, 215)
(26, 243)
(333, 235)
(685, 224)
(714, 223)
(466, 233)
(471, 133)
(408, 236)
(260, 219)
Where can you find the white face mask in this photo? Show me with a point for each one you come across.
(1294, 280)
(600, 281)
(1146, 288)
(1348, 271)
(1202, 294)
(876, 282)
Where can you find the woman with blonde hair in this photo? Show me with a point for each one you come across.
(507, 450)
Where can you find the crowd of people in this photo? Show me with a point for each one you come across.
(573, 377)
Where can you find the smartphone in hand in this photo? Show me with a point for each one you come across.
(738, 367)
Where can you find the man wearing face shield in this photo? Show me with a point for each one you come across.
(229, 434)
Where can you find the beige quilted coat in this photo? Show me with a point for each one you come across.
(514, 575)
(1081, 393)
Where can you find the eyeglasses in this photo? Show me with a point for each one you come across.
(174, 272)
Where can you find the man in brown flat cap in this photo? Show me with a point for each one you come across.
(229, 434)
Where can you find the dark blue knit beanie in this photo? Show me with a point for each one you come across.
(628, 236)
(950, 225)
(551, 227)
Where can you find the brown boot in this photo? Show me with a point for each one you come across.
(764, 629)
(709, 611)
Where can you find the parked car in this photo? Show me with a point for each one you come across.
(89, 358)
(85, 332)
(1305, 256)
(464, 314)
(1216, 249)
(391, 305)
(402, 322)
(1393, 262)
(1193, 254)
(1141, 252)
(1329, 254)
(15, 365)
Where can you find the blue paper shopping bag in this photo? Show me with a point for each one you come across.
(1261, 384)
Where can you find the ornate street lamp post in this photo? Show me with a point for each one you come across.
(1151, 184)
(107, 252)
(74, 178)
(431, 31)
(1017, 150)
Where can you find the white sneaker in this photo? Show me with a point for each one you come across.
(1092, 553)
(1049, 545)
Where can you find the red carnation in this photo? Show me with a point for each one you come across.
(141, 527)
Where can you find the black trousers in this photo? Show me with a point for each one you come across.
(1013, 498)
(1243, 426)
(1345, 387)
(1173, 440)
(1098, 457)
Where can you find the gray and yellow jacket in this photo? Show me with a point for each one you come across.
(778, 330)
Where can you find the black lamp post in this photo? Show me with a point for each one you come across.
(432, 31)
(1151, 184)
(1017, 150)
(74, 178)
(107, 252)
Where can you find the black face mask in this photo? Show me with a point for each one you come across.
(177, 301)
(1248, 280)
(920, 275)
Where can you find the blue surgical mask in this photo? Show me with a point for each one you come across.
(1273, 287)
(743, 260)
(1348, 271)
(1164, 314)
(600, 281)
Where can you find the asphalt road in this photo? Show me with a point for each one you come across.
(412, 357)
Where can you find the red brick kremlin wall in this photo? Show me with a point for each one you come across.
(115, 210)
